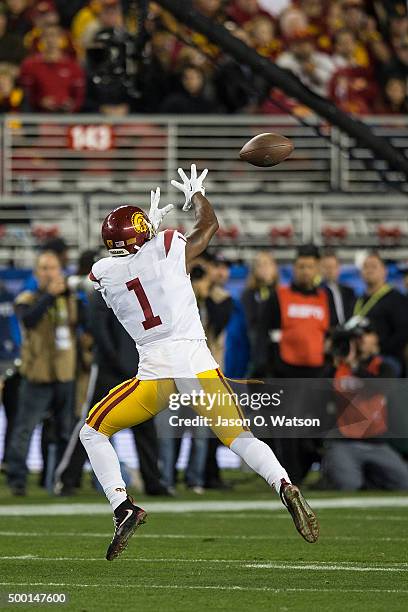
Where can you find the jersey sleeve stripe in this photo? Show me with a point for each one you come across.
(182, 238)
(92, 277)
(168, 237)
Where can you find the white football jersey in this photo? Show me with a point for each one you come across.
(151, 294)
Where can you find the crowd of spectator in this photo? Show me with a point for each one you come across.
(76, 56)
(74, 350)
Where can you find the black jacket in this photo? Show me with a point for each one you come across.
(390, 320)
(115, 350)
(348, 299)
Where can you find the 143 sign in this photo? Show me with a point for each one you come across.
(90, 137)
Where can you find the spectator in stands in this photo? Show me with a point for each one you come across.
(192, 98)
(354, 90)
(11, 96)
(395, 96)
(110, 17)
(94, 16)
(190, 56)
(398, 28)
(238, 88)
(44, 15)
(316, 15)
(292, 21)
(278, 103)
(18, 21)
(54, 82)
(355, 18)
(263, 38)
(11, 48)
(400, 62)
(156, 71)
(210, 8)
(68, 10)
(348, 52)
(49, 317)
(261, 284)
(341, 297)
(334, 18)
(386, 308)
(274, 8)
(361, 458)
(313, 68)
(242, 11)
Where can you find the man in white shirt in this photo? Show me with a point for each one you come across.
(313, 68)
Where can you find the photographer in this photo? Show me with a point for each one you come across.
(360, 458)
(112, 67)
(49, 318)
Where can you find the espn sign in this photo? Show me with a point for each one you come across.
(90, 137)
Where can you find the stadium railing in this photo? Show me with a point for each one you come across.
(322, 193)
(85, 153)
(26, 221)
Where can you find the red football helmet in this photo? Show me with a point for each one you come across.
(126, 229)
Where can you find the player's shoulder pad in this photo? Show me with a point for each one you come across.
(171, 239)
(99, 268)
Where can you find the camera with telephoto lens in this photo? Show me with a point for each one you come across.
(113, 64)
(343, 334)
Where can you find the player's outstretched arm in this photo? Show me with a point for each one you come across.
(205, 226)
(206, 223)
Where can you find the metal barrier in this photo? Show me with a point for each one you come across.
(106, 162)
(26, 221)
(88, 153)
(346, 221)
(244, 222)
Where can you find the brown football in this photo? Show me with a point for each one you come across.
(266, 150)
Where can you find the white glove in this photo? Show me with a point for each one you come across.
(156, 214)
(190, 186)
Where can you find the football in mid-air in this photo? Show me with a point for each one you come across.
(266, 150)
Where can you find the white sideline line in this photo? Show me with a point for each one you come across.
(190, 536)
(306, 566)
(218, 587)
(326, 568)
(352, 517)
(56, 509)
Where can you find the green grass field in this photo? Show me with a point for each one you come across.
(205, 558)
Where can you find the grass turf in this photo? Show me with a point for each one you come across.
(203, 561)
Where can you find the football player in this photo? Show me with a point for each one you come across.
(146, 282)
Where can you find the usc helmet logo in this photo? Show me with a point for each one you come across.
(139, 223)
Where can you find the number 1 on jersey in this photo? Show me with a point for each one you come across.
(150, 319)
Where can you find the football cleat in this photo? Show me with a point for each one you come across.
(128, 517)
(303, 516)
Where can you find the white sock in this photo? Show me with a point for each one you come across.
(105, 464)
(260, 458)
